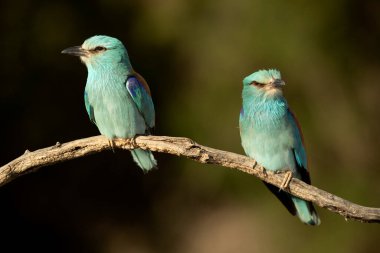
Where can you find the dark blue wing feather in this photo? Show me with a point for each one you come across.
(139, 92)
(299, 149)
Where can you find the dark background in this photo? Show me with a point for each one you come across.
(194, 55)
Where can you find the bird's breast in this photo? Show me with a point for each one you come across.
(115, 113)
(269, 140)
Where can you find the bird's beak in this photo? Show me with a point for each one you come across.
(76, 51)
(278, 83)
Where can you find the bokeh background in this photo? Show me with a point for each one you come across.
(194, 54)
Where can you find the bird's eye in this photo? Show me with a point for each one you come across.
(257, 84)
(99, 49)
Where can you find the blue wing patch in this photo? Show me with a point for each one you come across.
(140, 95)
(299, 149)
(301, 169)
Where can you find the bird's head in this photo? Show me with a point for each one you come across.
(265, 83)
(100, 50)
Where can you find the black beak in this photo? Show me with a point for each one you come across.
(76, 51)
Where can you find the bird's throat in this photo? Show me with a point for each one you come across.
(266, 112)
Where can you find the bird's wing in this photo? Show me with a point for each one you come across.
(140, 93)
(301, 165)
(89, 108)
(299, 149)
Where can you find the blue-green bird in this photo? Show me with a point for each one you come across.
(270, 134)
(117, 98)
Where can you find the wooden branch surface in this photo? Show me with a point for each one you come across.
(31, 161)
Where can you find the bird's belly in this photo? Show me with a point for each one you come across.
(117, 116)
(271, 149)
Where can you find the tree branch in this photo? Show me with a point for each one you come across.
(31, 161)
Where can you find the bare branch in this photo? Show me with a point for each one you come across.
(31, 161)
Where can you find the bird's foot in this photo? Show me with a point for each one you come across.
(133, 142)
(287, 179)
(263, 171)
(260, 168)
(112, 145)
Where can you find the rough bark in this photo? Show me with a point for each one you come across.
(31, 161)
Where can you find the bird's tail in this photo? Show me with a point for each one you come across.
(144, 159)
(306, 211)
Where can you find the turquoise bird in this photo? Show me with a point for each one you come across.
(117, 98)
(271, 134)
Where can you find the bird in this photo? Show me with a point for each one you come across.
(117, 99)
(271, 134)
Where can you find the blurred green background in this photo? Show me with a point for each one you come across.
(194, 55)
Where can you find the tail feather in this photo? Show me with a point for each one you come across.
(144, 159)
(284, 197)
(306, 211)
(296, 206)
